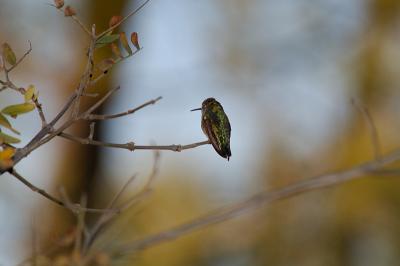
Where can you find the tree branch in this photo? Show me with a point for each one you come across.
(131, 145)
(35, 188)
(259, 200)
(75, 208)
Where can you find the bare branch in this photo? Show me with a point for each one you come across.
(371, 125)
(105, 71)
(84, 28)
(86, 141)
(257, 201)
(98, 103)
(131, 111)
(131, 145)
(76, 19)
(147, 187)
(172, 147)
(40, 111)
(85, 80)
(36, 189)
(76, 208)
(107, 217)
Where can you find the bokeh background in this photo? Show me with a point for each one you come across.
(285, 72)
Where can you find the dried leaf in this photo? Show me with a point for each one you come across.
(4, 138)
(124, 42)
(114, 21)
(4, 122)
(59, 3)
(17, 109)
(106, 64)
(8, 54)
(116, 51)
(69, 11)
(106, 39)
(135, 40)
(30, 94)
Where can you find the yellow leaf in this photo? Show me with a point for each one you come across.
(4, 138)
(17, 109)
(7, 153)
(4, 122)
(30, 93)
(8, 54)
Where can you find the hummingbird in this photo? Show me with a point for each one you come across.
(215, 125)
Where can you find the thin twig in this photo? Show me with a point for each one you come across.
(131, 145)
(90, 110)
(21, 59)
(40, 111)
(107, 217)
(131, 111)
(105, 71)
(85, 29)
(76, 208)
(87, 141)
(122, 20)
(257, 201)
(80, 228)
(36, 189)
(76, 19)
(371, 125)
(91, 128)
(172, 147)
(87, 74)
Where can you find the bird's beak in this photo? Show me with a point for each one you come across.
(197, 109)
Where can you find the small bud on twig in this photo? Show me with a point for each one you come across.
(59, 3)
(114, 21)
(69, 11)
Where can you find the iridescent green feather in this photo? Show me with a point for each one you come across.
(216, 126)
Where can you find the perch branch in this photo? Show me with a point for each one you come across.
(130, 145)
